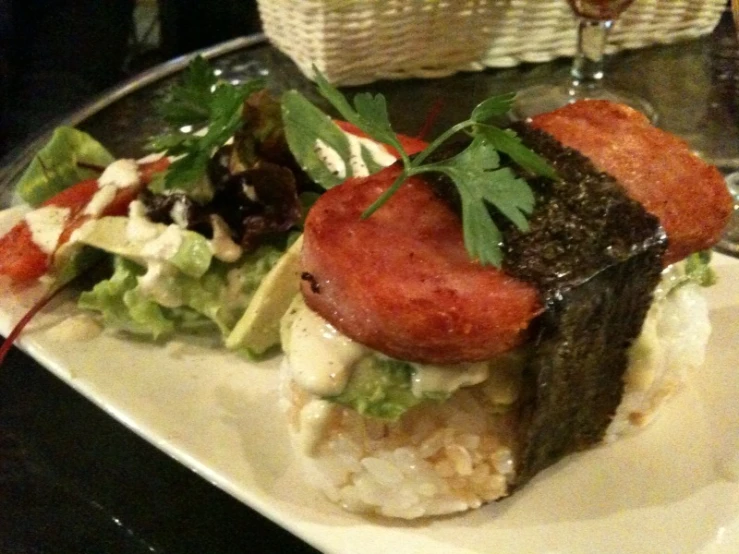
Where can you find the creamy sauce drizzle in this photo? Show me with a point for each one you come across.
(336, 165)
(138, 227)
(447, 379)
(154, 284)
(222, 245)
(330, 158)
(321, 358)
(313, 419)
(100, 201)
(46, 225)
(165, 245)
(120, 174)
(377, 152)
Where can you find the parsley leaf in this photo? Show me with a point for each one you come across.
(482, 182)
(495, 106)
(303, 123)
(369, 113)
(310, 133)
(505, 140)
(200, 100)
(189, 103)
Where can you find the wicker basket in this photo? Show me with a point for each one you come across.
(359, 41)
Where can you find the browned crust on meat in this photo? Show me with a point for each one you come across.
(656, 168)
(401, 281)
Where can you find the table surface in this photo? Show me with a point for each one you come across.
(74, 480)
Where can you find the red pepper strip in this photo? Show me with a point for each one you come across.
(27, 317)
(431, 118)
(22, 260)
(411, 145)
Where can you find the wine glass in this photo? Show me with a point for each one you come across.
(729, 243)
(595, 21)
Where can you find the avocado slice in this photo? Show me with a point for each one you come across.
(192, 255)
(258, 330)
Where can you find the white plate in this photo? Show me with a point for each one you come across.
(668, 489)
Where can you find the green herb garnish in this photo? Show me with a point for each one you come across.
(200, 101)
(482, 181)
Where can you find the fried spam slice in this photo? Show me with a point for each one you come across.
(655, 167)
(401, 281)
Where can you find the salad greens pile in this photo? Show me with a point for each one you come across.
(217, 296)
(201, 101)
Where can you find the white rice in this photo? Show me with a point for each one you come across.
(672, 344)
(454, 456)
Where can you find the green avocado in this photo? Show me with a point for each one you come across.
(258, 330)
(381, 388)
(192, 256)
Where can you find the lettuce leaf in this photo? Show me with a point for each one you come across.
(56, 166)
(215, 300)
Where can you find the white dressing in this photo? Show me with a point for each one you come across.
(330, 158)
(447, 378)
(377, 152)
(321, 357)
(165, 245)
(138, 227)
(155, 284)
(120, 174)
(178, 213)
(100, 200)
(222, 245)
(336, 164)
(46, 225)
(313, 419)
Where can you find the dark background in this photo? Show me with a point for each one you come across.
(56, 54)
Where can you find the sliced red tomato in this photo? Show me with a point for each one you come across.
(22, 260)
(149, 169)
(75, 197)
(411, 145)
(20, 257)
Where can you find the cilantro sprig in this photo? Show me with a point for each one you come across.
(200, 102)
(482, 181)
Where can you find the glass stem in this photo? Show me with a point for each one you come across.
(587, 67)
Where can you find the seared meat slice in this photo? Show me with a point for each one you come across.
(657, 169)
(402, 282)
